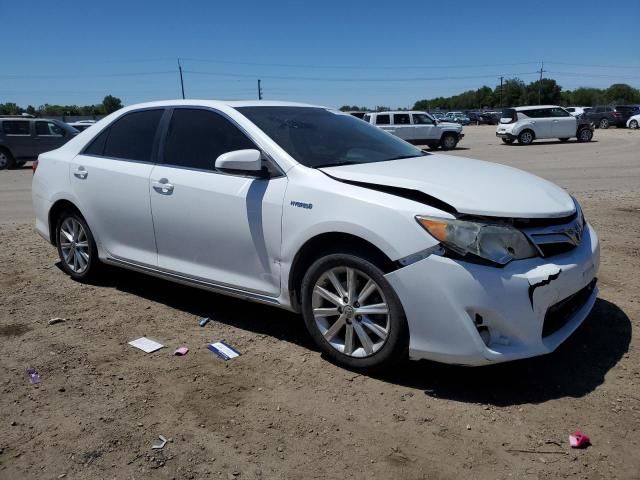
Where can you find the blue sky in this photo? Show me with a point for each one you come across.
(328, 52)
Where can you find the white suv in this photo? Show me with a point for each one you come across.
(386, 250)
(526, 124)
(418, 128)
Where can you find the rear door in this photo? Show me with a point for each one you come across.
(540, 121)
(563, 123)
(403, 127)
(48, 136)
(110, 179)
(19, 138)
(211, 225)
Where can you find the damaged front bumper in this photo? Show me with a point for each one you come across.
(528, 308)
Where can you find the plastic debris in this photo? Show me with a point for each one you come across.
(181, 351)
(579, 440)
(223, 350)
(56, 320)
(160, 446)
(203, 321)
(33, 375)
(146, 344)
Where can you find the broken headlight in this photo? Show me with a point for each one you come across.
(497, 243)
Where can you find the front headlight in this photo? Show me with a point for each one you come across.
(497, 243)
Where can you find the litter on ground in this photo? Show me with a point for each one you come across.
(181, 351)
(203, 321)
(33, 375)
(146, 344)
(159, 446)
(223, 350)
(579, 440)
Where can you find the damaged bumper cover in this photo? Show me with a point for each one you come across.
(528, 308)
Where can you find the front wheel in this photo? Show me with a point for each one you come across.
(604, 123)
(352, 312)
(525, 137)
(449, 142)
(585, 135)
(76, 247)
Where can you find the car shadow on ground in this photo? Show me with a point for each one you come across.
(575, 369)
(545, 142)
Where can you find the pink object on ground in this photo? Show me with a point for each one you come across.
(579, 440)
(181, 351)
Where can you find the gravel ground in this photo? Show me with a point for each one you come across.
(282, 411)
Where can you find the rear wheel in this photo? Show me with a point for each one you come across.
(352, 312)
(6, 159)
(448, 141)
(604, 123)
(525, 137)
(633, 124)
(585, 135)
(76, 247)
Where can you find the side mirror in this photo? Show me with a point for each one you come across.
(249, 160)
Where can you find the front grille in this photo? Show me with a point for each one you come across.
(560, 313)
(550, 249)
(554, 238)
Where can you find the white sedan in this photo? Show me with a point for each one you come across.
(634, 121)
(385, 250)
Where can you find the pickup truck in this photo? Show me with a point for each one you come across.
(418, 128)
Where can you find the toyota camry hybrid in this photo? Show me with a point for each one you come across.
(387, 251)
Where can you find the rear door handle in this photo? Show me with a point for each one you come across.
(163, 186)
(80, 173)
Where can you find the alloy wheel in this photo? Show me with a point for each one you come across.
(4, 160)
(74, 245)
(526, 138)
(351, 311)
(449, 142)
(633, 124)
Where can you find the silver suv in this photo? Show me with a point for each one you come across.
(23, 139)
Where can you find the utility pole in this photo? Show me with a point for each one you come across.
(181, 81)
(259, 90)
(501, 78)
(540, 84)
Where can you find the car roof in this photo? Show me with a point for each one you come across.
(398, 111)
(534, 107)
(219, 103)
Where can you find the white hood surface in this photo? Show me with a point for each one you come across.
(470, 186)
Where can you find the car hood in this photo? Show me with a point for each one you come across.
(449, 124)
(470, 186)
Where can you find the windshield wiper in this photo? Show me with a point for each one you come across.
(402, 157)
(337, 164)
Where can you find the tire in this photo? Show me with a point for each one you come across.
(603, 123)
(508, 141)
(448, 141)
(6, 159)
(633, 124)
(384, 348)
(585, 135)
(525, 137)
(563, 139)
(76, 246)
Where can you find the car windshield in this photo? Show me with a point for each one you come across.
(317, 137)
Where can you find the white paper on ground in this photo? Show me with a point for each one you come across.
(146, 344)
(223, 350)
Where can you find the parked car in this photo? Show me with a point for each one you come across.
(605, 116)
(634, 121)
(526, 124)
(577, 111)
(24, 138)
(457, 117)
(418, 128)
(387, 251)
(82, 125)
(490, 118)
(628, 111)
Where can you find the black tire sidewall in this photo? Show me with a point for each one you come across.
(444, 140)
(580, 139)
(93, 250)
(11, 162)
(397, 343)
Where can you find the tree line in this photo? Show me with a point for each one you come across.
(109, 105)
(514, 92)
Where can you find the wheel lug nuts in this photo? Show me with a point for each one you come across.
(345, 300)
(356, 304)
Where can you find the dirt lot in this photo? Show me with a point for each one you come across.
(282, 411)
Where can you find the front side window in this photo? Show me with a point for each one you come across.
(422, 119)
(401, 119)
(131, 137)
(48, 129)
(16, 127)
(197, 137)
(383, 120)
(317, 137)
(559, 112)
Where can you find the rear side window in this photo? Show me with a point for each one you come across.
(383, 120)
(16, 127)
(197, 137)
(131, 137)
(401, 119)
(509, 115)
(367, 118)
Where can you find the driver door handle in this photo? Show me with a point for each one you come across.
(163, 186)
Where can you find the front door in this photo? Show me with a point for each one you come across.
(110, 179)
(210, 225)
(564, 124)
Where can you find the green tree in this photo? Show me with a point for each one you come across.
(587, 97)
(111, 104)
(514, 93)
(543, 92)
(622, 93)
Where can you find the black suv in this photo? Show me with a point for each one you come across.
(605, 116)
(23, 139)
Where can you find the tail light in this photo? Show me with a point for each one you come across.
(34, 166)
(617, 114)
